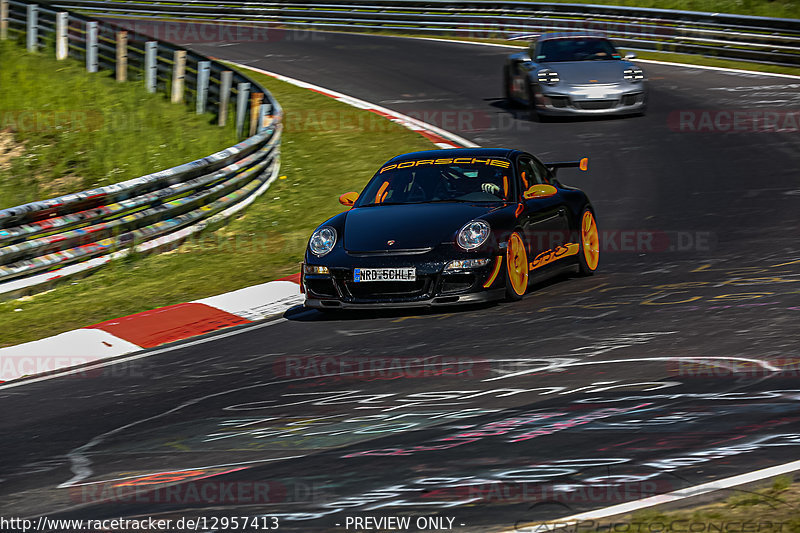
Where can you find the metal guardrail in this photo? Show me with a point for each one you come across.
(737, 37)
(45, 241)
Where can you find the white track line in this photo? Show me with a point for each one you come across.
(721, 69)
(629, 507)
(558, 365)
(404, 120)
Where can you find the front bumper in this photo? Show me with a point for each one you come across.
(433, 286)
(576, 101)
(462, 299)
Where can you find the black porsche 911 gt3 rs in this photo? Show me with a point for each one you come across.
(445, 227)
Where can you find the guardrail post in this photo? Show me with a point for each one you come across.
(91, 46)
(3, 20)
(62, 44)
(178, 75)
(32, 28)
(150, 65)
(262, 116)
(225, 80)
(255, 106)
(122, 56)
(203, 73)
(242, 90)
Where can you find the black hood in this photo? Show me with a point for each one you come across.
(411, 226)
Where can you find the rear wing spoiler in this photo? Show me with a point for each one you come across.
(583, 164)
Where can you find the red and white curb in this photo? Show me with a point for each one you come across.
(149, 329)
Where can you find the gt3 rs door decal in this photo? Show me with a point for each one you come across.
(555, 254)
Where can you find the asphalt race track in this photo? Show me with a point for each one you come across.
(676, 364)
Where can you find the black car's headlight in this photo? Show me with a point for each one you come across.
(322, 241)
(633, 74)
(547, 76)
(473, 234)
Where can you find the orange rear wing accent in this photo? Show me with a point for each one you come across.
(583, 164)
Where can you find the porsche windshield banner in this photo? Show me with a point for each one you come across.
(448, 161)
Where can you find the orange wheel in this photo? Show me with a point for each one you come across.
(516, 267)
(590, 243)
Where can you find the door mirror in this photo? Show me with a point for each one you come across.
(348, 198)
(540, 191)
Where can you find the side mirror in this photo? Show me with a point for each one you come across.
(540, 191)
(348, 198)
(630, 55)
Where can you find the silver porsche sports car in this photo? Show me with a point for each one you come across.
(575, 74)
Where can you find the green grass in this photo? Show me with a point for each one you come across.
(328, 148)
(761, 8)
(773, 509)
(73, 130)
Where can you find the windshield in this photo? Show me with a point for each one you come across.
(577, 49)
(464, 179)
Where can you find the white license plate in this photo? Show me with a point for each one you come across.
(384, 274)
(595, 93)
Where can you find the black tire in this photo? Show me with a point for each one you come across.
(507, 86)
(584, 266)
(533, 114)
(511, 295)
